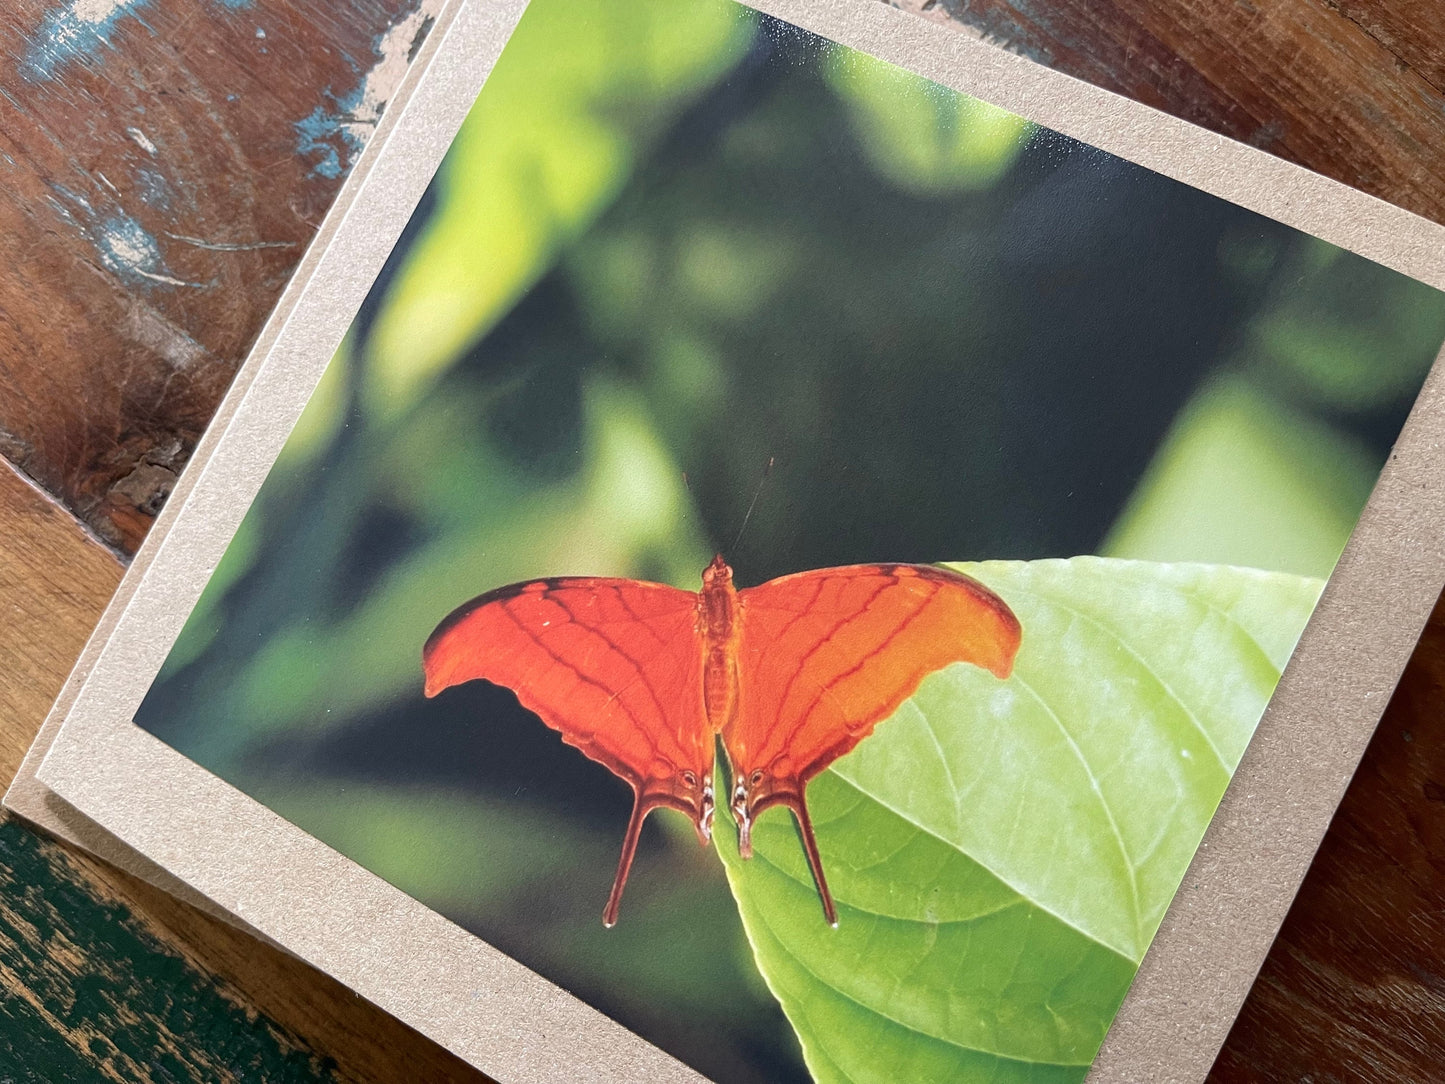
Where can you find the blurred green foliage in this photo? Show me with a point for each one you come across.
(1271, 461)
(925, 138)
(674, 240)
(547, 146)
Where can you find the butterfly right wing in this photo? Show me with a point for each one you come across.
(826, 655)
(614, 665)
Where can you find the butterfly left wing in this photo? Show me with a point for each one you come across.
(614, 665)
(826, 655)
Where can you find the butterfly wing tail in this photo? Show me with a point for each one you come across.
(799, 806)
(641, 807)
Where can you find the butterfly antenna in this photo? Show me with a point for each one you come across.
(753, 504)
(815, 862)
(640, 810)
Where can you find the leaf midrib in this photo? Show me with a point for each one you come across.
(1103, 804)
(953, 845)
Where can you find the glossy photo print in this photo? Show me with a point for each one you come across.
(793, 554)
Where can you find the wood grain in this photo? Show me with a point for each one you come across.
(1353, 91)
(103, 976)
(1354, 988)
(54, 582)
(163, 164)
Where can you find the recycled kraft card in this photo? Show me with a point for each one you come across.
(782, 543)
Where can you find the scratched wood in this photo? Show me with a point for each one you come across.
(1355, 986)
(162, 164)
(161, 171)
(102, 976)
(1354, 90)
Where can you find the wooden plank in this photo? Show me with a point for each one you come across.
(1355, 91)
(104, 977)
(162, 170)
(163, 163)
(54, 583)
(90, 995)
(1354, 988)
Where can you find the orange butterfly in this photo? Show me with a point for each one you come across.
(793, 674)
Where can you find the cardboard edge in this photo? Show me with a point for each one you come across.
(78, 830)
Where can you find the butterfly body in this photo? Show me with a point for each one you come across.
(791, 674)
(720, 633)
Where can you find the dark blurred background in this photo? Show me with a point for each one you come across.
(676, 240)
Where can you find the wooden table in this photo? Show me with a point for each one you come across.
(165, 162)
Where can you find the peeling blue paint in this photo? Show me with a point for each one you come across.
(126, 248)
(331, 134)
(75, 198)
(83, 28)
(80, 28)
(154, 190)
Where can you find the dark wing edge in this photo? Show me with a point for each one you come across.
(510, 591)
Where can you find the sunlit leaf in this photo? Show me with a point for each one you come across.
(1245, 478)
(924, 137)
(1002, 852)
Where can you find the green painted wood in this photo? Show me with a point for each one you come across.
(86, 993)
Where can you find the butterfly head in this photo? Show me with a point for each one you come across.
(717, 574)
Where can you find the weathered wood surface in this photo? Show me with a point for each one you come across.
(162, 165)
(1353, 90)
(1354, 988)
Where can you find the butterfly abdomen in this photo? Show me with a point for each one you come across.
(720, 632)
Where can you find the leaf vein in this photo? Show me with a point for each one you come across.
(802, 964)
(953, 844)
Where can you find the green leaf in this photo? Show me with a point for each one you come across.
(1002, 852)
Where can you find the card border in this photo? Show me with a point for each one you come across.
(498, 1015)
